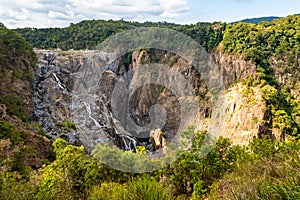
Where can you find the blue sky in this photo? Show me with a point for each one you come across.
(59, 13)
(233, 10)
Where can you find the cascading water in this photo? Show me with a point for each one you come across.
(54, 100)
(46, 86)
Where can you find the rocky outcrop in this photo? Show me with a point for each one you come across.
(51, 92)
(287, 72)
(157, 140)
(54, 96)
(233, 68)
(3, 114)
(153, 94)
(244, 115)
(244, 107)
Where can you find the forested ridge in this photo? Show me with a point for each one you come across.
(14, 48)
(90, 33)
(267, 168)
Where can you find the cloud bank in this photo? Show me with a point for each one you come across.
(58, 13)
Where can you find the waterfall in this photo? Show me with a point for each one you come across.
(52, 96)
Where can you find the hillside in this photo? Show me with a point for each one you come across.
(256, 157)
(18, 62)
(23, 146)
(90, 33)
(258, 20)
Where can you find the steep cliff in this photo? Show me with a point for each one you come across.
(22, 144)
(244, 106)
(18, 62)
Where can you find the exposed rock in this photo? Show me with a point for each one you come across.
(152, 94)
(157, 140)
(3, 111)
(287, 73)
(245, 110)
(51, 91)
(233, 68)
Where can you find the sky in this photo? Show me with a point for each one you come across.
(60, 13)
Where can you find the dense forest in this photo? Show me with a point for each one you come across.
(30, 168)
(88, 34)
(15, 51)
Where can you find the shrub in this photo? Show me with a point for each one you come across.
(7, 130)
(147, 189)
(67, 125)
(112, 191)
(271, 172)
(15, 106)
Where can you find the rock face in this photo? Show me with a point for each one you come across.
(244, 115)
(51, 92)
(57, 106)
(55, 97)
(233, 68)
(287, 72)
(3, 111)
(157, 140)
(150, 95)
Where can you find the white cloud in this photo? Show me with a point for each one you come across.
(45, 13)
(175, 8)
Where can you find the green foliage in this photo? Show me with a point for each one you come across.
(141, 149)
(273, 47)
(73, 174)
(36, 127)
(262, 40)
(59, 145)
(15, 51)
(13, 187)
(67, 125)
(261, 43)
(271, 171)
(140, 188)
(125, 160)
(70, 175)
(265, 169)
(110, 190)
(207, 161)
(147, 189)
(15, 106)
(206, 34)
(9, 131)
(199, 190)
(284, 110)
(270, 94)
(90, 33)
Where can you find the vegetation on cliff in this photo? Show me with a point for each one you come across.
(274, 48)
(265, 169)
(15, 52)
(17, 64)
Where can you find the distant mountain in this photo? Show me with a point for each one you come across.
(259, 19)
